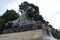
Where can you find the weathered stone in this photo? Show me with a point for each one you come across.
(26, 22)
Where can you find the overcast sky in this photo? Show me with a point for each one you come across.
(49, 9)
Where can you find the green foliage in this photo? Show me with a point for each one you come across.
(9, 15)
(2, 24)
(56, 33)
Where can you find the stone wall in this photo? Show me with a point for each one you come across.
(27, 35)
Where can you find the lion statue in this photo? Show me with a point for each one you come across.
(29, 16)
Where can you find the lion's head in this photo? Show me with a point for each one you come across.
(30, 9)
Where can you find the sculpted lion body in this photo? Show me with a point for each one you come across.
(29, 20)
(26, 19)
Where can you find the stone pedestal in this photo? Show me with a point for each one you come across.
(27, 35)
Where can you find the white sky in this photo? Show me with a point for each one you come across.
(49, 9)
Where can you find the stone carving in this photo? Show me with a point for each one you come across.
(29, 20)
(29, 16)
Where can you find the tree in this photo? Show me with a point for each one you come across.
(56, 33)
(9, 15)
